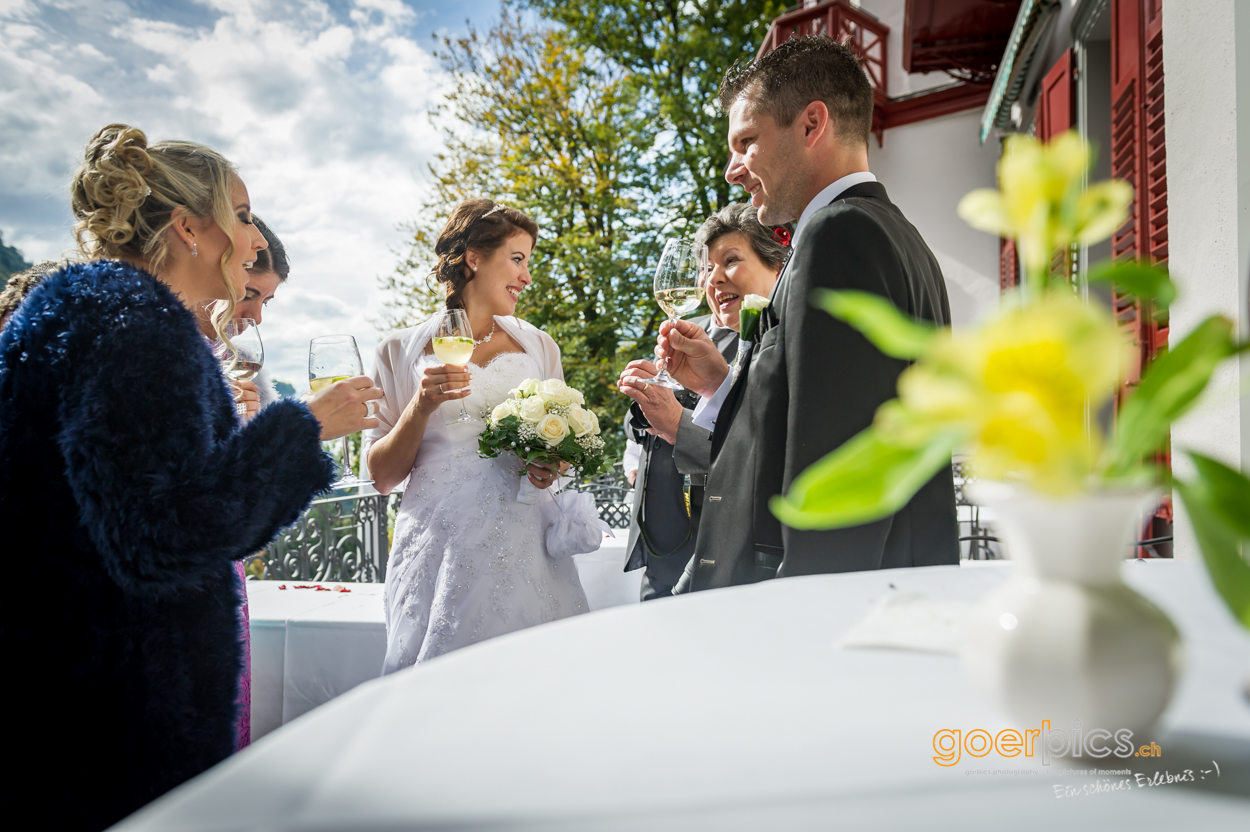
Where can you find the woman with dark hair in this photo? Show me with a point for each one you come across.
(119, 443)
(267, 272)
(468, 560)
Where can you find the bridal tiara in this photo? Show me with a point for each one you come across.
(498, 207)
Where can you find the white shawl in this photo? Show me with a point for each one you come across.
(394, 368)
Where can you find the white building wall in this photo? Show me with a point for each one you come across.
(1206, 58)
(927, 168)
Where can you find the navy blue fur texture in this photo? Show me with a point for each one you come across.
(127, 488)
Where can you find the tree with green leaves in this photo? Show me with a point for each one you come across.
(11, 261)
(561, 133)
(678, 52)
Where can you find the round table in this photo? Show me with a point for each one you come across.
(724, 710)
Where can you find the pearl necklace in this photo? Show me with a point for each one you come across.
(489, 335)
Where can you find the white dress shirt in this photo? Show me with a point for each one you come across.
(706, 411)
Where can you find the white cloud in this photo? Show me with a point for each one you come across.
(322, 108)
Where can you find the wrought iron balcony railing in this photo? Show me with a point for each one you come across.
(347, 539)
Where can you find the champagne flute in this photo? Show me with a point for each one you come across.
(678, 292)
(241, 354)
(333, 358)
(453, 344)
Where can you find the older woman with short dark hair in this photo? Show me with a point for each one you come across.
(743, 258)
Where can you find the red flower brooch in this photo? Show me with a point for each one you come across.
(781, 236)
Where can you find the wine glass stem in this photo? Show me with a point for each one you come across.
(347, 461)
(663, 365)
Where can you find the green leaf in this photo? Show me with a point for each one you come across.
(1137, 279)
(748, 322)
(880, 321)
(1220, 546)
(1228, 491)
(1167, 390)
(866, 479)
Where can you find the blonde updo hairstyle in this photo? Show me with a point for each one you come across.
(126, 191)
(479, 225)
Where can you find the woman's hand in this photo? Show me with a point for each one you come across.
(443, 383)
(658, 404)
(543, 475)
(345, 408)
(246, 393)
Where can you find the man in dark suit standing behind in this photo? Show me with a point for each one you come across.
(799, 124)
(664, 523)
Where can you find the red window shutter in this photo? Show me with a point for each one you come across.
(1139, 156)
(1053, 117)
(1008, 265)
(1127, 71)
(1054, 103)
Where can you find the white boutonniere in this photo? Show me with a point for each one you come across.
(749, 316)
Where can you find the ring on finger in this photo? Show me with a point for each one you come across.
(370, 410)
(440, 389)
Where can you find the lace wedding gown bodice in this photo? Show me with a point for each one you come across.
(468, 561)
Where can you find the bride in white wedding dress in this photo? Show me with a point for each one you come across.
(467, 560)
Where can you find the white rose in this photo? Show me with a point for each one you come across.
(552, 429)
(594, 417)
(578, 398)
(526, 388)
(756, 302)
(531, 409)
(502, 411)
(554, 391)
(582, 421)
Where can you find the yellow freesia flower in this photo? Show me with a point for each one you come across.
(1042, 202)
(1017, 387)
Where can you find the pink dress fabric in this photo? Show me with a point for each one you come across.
(243, 727)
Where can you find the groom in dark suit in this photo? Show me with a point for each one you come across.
(799, 123)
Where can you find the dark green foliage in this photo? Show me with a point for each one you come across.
(11, 261)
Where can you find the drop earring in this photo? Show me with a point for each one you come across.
(195, 251)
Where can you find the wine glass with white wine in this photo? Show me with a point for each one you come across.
(334, 358)
(241, 354)
(453, 344)
(677, 291)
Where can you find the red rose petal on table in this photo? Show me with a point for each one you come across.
(304, 586)
(344, 589)
(321, 588)
(281, 586)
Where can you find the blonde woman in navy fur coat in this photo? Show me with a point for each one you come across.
(122, 455)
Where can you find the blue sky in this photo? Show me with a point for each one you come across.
(321, 104)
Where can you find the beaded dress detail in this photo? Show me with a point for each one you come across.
(468, 561)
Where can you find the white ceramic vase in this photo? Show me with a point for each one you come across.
(1064, 639)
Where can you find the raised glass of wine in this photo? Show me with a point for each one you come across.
(331, 359)
(241, 353)
(453, 345)
(677, 291)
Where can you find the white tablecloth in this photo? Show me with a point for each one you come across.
(725, 710)
(309, 647)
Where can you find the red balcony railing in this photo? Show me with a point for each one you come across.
(843, 22)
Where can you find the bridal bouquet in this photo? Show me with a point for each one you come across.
(545, 422)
